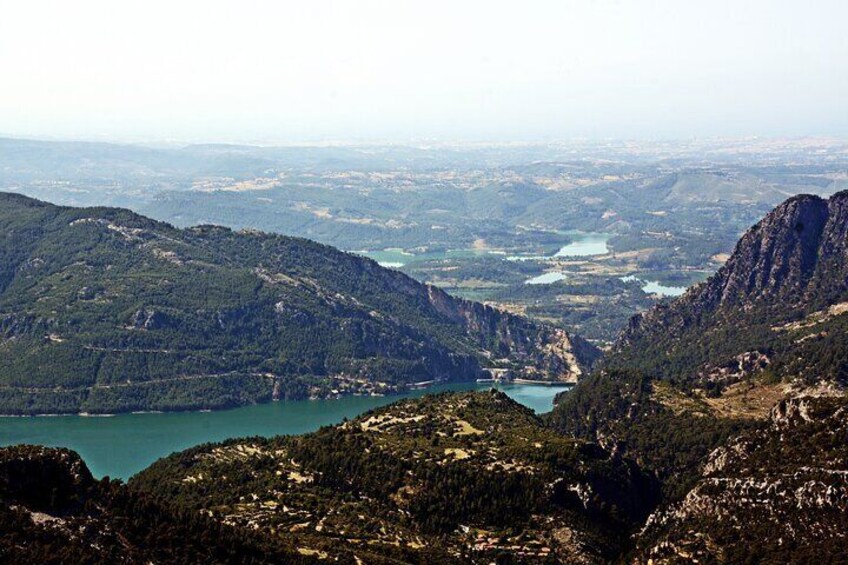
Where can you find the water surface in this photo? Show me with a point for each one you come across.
(584, 244)
(124, 444)
(654, 287)
(546, 278)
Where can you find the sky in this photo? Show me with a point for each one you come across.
(399, 70)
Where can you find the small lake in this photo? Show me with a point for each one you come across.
(546, 278)
(391, 258)
(654, 287)
(124, 444)
(584, 244)
(396, 258)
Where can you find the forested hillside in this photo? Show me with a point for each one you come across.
(102, 310)
(454, 478)
(53, 511)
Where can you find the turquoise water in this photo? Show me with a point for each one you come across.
(124, 444)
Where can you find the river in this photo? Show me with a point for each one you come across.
(120, 446)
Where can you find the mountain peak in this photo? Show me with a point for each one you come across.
(785, 257)
(790, 266)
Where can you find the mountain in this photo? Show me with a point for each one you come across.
(687, 375)
(734, 396)
(452, 478)
(780, 297)
(53, 511)
(103, 310)
(714, 433)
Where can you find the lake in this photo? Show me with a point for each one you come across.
(120, 446)
(584, 244)
(654, 287)
(394, 258)
(547, 278)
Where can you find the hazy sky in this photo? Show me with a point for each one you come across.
(459, 70)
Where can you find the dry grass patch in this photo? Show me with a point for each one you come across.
(747, 400)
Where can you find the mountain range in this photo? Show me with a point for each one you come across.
(713, 432)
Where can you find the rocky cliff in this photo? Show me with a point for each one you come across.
(776, 495)
(690, 386)
(786, 283)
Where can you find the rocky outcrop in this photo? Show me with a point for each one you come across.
(794, 257)
(779, 494)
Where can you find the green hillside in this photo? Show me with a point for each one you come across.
(453, 478)
(103, 310)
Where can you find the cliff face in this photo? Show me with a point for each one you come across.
(543, 352)
(790, 266)
(124, 313)
(794, 258)
(779, 494)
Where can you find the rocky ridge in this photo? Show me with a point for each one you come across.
(779, 494)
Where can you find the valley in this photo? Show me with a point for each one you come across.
(424, 283)
(709, 428)
(454, 215)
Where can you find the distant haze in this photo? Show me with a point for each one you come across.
(400, 70)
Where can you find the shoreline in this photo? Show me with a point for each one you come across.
(543, 383)
(411, 387)
(419, 386)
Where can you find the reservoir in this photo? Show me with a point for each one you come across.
(584, 244)
(120, 446)
(546, 278)
(395, 258)
(654, 287)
